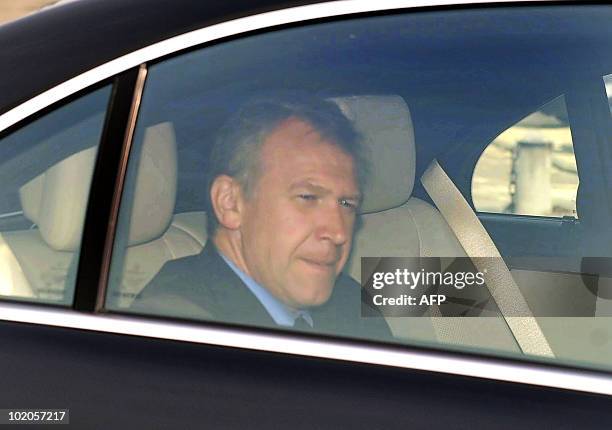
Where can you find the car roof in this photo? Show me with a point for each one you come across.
(46, 48)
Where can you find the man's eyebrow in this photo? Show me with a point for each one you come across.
(320, 189)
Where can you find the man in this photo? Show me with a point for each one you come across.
(284, 185)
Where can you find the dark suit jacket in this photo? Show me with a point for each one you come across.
(203, 286)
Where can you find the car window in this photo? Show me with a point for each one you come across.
(45, 170)
(608, 83)
(530, 168)
(275, 181)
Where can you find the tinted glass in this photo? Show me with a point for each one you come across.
(45, 172)
(246, 201)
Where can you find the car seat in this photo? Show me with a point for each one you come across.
(397, 224)
(35, 263)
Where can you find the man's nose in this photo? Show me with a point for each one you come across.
(334, 225)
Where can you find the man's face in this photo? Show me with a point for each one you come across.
(297, 227)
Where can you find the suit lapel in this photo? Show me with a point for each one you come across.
(233, 301)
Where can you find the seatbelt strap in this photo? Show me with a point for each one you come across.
(477, 243)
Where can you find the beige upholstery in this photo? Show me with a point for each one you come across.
(394, 223)
(411, 230)
(44, 269)
(185, 236)
(398, 225)
(56, 200)
(35, 262)
(389, 140)
(12, 279)
(155, 191)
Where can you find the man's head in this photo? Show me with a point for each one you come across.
(284, 187)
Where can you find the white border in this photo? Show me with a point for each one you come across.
(403, 357)
(445, 362)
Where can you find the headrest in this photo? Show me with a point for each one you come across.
(386, 127)
(56, 200)
(155, 191)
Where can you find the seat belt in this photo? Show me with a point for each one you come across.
(473, 237)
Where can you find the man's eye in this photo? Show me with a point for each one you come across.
(308, 197)
(348, 204)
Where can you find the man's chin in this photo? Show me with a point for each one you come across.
(319, 296)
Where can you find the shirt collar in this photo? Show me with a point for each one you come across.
(281, 314)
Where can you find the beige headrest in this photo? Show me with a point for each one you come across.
(56, 200)
(386, 127)
(155, 191)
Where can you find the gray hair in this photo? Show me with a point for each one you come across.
(236, 151)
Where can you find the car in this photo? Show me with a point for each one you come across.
(487, 129)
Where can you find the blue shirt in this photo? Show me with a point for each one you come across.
(281, 314)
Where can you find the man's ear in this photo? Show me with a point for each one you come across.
(226, 197)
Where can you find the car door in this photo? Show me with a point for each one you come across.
(107, 176)
(558, 251)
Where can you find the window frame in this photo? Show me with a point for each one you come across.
(105, 172)
(591, 128)
(99, 243)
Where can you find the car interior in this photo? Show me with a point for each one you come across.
(39, 260)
